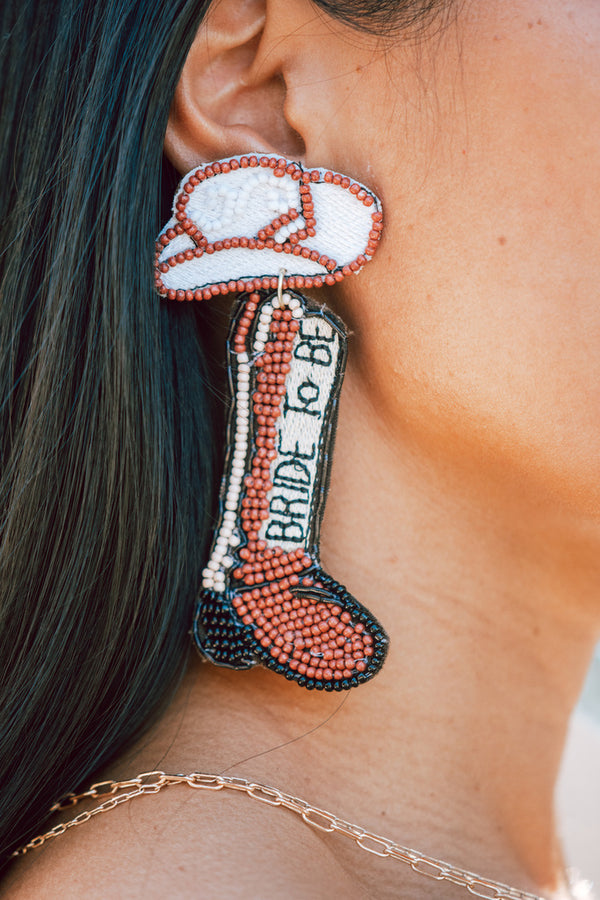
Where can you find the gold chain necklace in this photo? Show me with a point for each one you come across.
(119, 792)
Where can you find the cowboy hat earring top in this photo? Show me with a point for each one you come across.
(266, 228)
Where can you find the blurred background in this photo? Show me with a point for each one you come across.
(578, 792)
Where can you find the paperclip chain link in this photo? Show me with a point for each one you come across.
(119, 792)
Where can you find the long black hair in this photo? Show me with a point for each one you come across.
(107, 422)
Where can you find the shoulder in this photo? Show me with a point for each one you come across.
(179, 841)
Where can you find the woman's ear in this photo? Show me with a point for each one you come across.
(226, 103)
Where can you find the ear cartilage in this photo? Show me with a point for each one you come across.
(266, 228)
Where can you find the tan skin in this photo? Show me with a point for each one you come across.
(465, 500)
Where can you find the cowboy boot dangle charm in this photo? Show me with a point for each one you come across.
(265, 228)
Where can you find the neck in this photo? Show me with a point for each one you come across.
(493, 616)
(455, 746)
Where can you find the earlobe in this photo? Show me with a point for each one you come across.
(224, 104)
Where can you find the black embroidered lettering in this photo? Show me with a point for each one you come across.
(307, 393)
(296, 452)
(285, 531)
(293, 471)
(285, 507)
(317, 354)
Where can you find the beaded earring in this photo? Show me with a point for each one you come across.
(265, 228)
